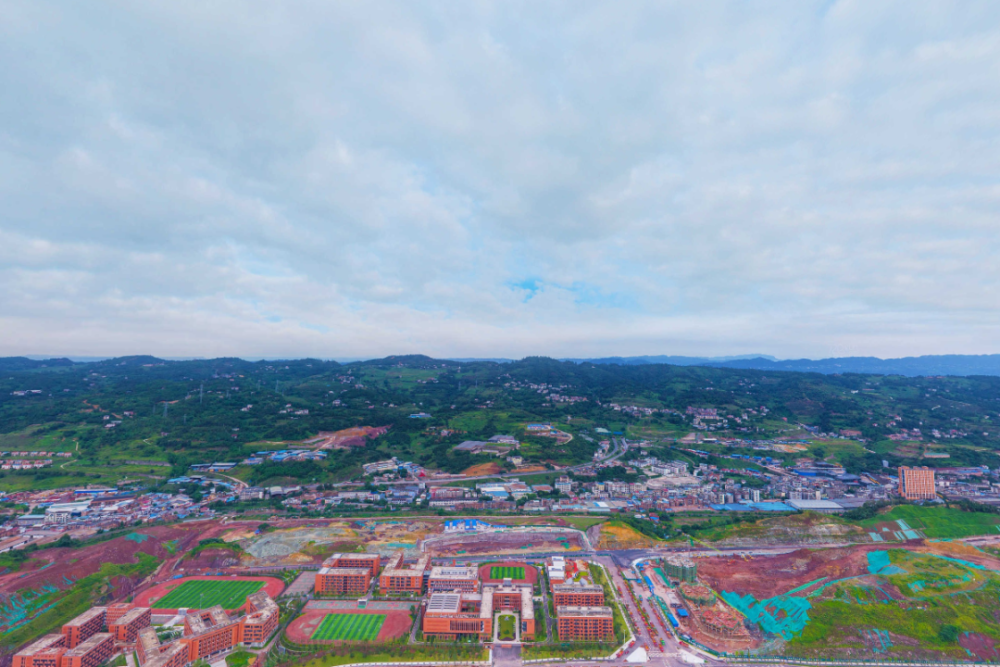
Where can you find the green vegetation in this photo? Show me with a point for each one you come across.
(212, 543)
(541, 632)
(506, 572)
(82, 595)
(506, 628)
(240, 659)
(201, 594)
(369, 652)
(185, 412)
(939, 522)
(349, 627)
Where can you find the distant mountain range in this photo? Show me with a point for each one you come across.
(946, 364)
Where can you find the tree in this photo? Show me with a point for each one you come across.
(948, 633)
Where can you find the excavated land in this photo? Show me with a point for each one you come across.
(767, 576)
(504, 543)
(286, 547)
(806, 528)
(311, 544)
(209, 559)
(62, 567)
(961, 550)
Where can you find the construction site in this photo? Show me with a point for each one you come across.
(514, 541)
(855, 602)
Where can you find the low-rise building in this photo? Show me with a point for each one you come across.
(449, 615)
(585, 623)
(96, 650)
(465, 579)
(84, 626)
(342, 580)
(126, 629)
(577, 595)
(400, 578)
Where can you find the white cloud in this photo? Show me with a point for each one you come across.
(804, 179)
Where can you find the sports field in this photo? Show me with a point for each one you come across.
(506, 572)
(349, 627)
(203, 594)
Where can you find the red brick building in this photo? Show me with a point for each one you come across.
(93, 652)
(399, 578)
(44, 652)
(126, 629)
(447, 579)
(585, 623)
(369, 561)
(210, 632)
(577, 595)
(84, 626)
(342, 580)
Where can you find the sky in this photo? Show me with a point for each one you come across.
(480, 179)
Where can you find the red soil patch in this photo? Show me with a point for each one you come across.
(397, 624)
(767, 576)
(482, 469)
(530, 573)
(211, 559)
(58, 566)
(148, 597)
(981, 646)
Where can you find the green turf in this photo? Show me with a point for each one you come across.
(349, 627)
(197, 594)
(506, 630)
(506, 572)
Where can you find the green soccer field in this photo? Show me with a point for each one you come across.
(349, 627)
(203, 594)
(506, 572)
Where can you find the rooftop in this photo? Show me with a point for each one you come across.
(444, 603)
(84, 647)
(454, 573)
(589, 612)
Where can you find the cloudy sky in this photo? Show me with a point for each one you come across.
(354, 179)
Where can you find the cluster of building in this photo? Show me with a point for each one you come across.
(459, 603)
(97, 634)
(284, 456)
(393, 468)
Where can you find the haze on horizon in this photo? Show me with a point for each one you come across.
(571, 179)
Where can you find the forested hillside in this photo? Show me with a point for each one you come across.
(182, 412)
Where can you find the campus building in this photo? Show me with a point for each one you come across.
(116, 610)
(126, 629)
(465, 579)
(84, 626)
(400, 578)
(368, 561)
(917, 483)
(577, 595)
(585, 623)
(53, 651)
(449, 615)
(342, 580)
(512, 597)
(45, 652)
(94, 651)
(210, 632)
